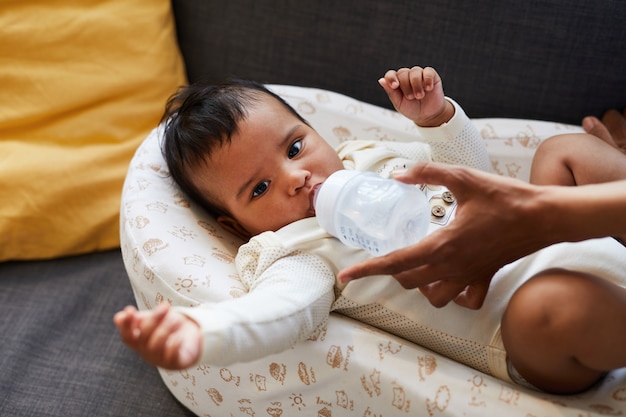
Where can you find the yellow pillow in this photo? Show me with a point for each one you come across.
(82, 84)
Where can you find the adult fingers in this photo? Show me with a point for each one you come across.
(389, 264)
(456, 178)
(440, 293)
(411, 266)
(474, 295)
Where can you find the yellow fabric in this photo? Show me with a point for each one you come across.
(81, 85)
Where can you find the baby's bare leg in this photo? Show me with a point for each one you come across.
(577, 159)
(563, 330)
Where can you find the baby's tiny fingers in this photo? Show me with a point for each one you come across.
(391, 77)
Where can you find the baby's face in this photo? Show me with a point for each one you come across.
(264, 178)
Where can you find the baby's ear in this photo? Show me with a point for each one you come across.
(231, 225)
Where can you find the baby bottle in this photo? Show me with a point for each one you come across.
(364, 210)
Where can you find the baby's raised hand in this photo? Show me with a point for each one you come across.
(417, 93)
(163, 337)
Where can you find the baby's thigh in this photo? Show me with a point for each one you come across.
(559, 315)
(557, 309)
(577, 159)
(557, 300)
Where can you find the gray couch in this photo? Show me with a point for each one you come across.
(549, 60)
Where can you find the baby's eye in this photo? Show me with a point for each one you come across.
(260, 189)
(294, 149)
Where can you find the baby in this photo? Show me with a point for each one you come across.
(247, 157)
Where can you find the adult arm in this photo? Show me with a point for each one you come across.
(498, 220)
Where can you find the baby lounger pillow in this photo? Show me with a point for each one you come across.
(175, 252)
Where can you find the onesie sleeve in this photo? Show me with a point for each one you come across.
(457, 141)
(289, 297)
(454, 142)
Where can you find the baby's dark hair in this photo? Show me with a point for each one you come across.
(201, 118)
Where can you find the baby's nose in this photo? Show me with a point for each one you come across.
(298, 180)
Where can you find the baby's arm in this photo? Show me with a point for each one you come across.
(289, 298)
(417, 93)
(162, 336)
(288, 303)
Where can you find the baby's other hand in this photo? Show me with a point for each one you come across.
(163, 337)
(417, 93)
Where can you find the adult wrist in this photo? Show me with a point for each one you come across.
(568, 216)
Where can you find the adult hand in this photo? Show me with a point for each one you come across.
(458, 261)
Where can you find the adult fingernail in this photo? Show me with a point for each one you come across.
(345, 279)
(398, 172)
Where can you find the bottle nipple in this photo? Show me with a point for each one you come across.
(313, 194)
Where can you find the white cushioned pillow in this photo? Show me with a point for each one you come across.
(175, 252)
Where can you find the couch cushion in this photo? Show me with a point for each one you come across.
(556, 61)
(82, 84)
(61, 354)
